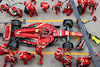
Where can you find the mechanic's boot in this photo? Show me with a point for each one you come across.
(4, 65)
(25, 62)
(11, 64)
(31, 16)
(45, 11)
(59, 11)
(91, 13)
(40, 63)
(33, 56)
(56, 13)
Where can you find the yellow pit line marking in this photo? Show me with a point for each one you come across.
(65, 53)
(53, 53)
(50, 20)
(67, 17)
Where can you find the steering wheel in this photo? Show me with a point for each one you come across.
(44, 32)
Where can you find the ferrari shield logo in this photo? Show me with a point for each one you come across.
(24, 56)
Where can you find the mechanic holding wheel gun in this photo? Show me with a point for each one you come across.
(5, 8)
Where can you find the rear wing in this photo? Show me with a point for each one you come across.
(7, 31)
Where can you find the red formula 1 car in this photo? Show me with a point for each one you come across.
(34, 33)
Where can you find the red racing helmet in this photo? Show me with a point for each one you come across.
(18, 51)
(79, 1)
(45, 7)
(25, 3)
(59, 49)
(13, 8)
(5, 44)
(69, 1)
(59, 4)
(2, 6)
(91, 2)
(70, 57)
(12, 54)
(79, 59)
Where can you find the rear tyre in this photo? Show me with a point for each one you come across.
(14, 45)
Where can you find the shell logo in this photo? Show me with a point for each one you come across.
(73, 33)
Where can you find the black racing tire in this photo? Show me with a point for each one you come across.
(68, 22)
(14, 45)
(16, 23)
(26, 10)
(68, 45)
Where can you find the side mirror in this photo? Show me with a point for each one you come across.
(94, 19)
